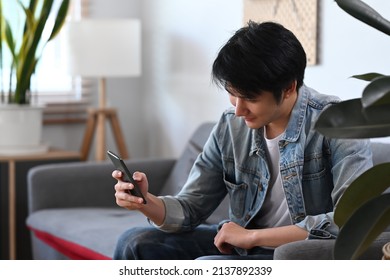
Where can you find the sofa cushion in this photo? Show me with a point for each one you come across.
(81, 233)
(380, 152)
(183, 165)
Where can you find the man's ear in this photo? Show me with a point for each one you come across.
(290, 89)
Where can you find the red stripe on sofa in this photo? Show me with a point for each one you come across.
(71, 250)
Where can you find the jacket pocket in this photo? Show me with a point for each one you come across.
(237, 194)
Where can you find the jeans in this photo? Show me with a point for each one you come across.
(149, 243)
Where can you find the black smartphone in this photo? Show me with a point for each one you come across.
(127, 177)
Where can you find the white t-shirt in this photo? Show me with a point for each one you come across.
(274, 212)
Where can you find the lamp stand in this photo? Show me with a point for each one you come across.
(97, 122)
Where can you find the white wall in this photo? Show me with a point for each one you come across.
(348, 47)
(160, 110)
(181, 41)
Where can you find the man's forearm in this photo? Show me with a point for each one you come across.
(274, 237)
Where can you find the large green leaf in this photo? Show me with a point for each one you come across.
(368, 76)
(366, 14)
(26, 49)
(29, 29)
(370, 184)
(377, 92)
(363, 227)
(27, 68)
(9, 38)
(347, 120)
(33, 5)
(60, 19)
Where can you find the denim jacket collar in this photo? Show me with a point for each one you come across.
(294, 126)
(296, 122)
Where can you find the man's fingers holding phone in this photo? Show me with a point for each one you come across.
(123, 195)
(127, 176)
(124, 198)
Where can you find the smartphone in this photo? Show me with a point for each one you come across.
(127, 177)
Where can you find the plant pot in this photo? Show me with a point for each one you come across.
(21, 129)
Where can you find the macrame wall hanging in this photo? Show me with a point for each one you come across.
(300, 16)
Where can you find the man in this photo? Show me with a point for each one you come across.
(283, 177)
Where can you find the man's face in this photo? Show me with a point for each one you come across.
(258, 112)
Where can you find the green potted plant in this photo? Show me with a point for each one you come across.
(363, 211)
(24, 42)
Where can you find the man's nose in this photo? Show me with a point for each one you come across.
(240, 107)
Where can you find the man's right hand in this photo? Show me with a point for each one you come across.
(123, 197)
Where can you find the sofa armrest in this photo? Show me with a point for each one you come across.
(86, 184)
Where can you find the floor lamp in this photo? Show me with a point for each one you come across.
(103, 49)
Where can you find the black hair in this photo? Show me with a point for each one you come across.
(260, 57)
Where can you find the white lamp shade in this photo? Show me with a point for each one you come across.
(104, 48)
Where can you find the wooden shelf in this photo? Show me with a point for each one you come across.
(53, 155)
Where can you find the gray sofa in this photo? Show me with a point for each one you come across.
(72, 210)
(73, 215)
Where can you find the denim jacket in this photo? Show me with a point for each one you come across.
(315, 171)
